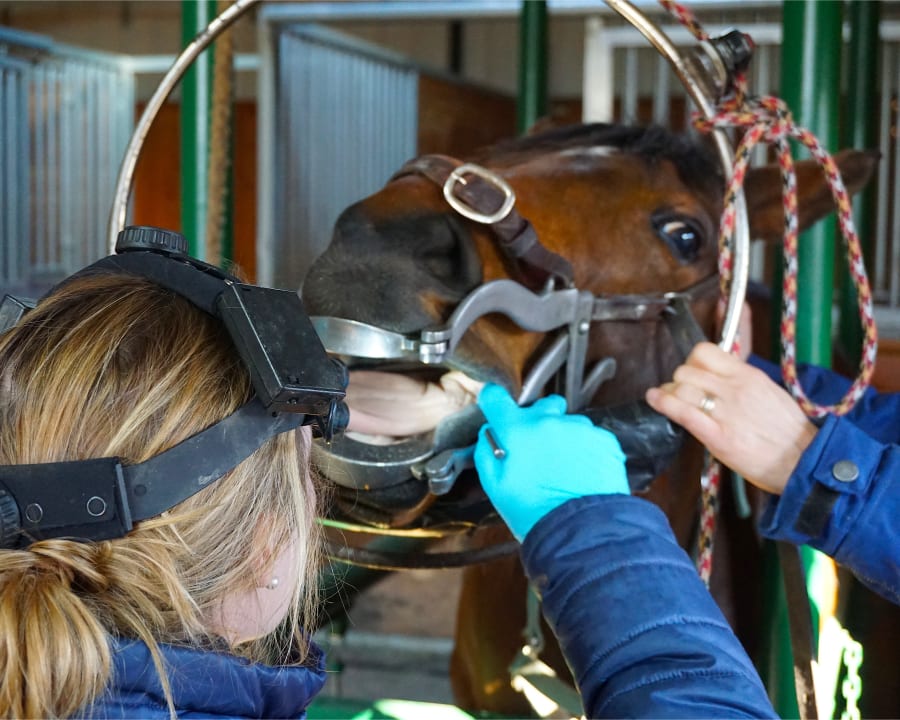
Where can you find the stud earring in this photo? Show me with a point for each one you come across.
(273, 583)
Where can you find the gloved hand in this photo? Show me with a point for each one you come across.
(548, 457)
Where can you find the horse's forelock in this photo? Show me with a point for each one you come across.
(692, 157)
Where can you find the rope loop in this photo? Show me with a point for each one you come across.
(768, 119)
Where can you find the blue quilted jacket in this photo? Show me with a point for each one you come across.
(642, 635)
(206, 684)
(844, 495)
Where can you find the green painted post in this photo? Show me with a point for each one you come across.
(196, 94)
(810, 85)
(532, 100)
(860, 131)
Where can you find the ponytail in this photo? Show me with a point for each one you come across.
(54, 652)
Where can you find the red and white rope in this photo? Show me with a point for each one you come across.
(769, 119)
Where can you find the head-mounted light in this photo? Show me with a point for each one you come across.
(294, 380)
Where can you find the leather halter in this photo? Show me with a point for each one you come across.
(483, 196)
(560, 307)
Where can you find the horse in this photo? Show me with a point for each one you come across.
(620, 212)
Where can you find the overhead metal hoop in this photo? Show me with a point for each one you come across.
(697, 86)
(124, 183)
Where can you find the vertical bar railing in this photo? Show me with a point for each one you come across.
(14, 170)
(346, 118)
(65, 118)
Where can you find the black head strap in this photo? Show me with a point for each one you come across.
(294, 380)
(102, 498)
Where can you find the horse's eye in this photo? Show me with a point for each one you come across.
(681, 235)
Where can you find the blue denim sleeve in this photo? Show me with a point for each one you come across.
(843, 498)
(640, 631)
(878, 414)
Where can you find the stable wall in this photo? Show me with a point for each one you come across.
(453, 118)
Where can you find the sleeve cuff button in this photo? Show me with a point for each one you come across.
(845, 471)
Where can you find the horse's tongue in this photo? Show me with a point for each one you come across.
(398, 406)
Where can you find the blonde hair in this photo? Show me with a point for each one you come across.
(113, 365)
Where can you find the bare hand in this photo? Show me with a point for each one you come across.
(745, 420)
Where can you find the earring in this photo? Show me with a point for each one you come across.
(273, 583)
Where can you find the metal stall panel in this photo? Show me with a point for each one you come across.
(67, 117)
(14, 176)
(345, 116)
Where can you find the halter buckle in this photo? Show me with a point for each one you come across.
(466, 210)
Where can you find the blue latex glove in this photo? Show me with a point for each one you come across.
(548, 458)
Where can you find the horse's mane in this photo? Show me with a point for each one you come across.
(693, 158)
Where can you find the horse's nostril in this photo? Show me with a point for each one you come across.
(451, 257)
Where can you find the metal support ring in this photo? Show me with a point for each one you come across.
(695, 86)
(125, 179)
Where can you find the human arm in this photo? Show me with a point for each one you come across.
(843, 498)
(878, 414)
(642, 635)
(753, 426)
(758, 430)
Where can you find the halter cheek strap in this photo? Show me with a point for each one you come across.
(484, 197)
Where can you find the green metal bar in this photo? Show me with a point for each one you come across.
(775, 660)
(196, 94)
(810, 85)
(857, 612)
(532, 99)
(860, 131)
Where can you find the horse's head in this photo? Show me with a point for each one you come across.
(634, 211)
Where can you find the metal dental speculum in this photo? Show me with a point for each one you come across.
(438, 458)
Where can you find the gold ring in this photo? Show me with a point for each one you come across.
(708, 404)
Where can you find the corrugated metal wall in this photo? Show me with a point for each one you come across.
(14, 169)
(67, 116)
(345, 120)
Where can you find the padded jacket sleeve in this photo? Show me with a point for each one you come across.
(641, 633)
(877, 414)
(843, 498)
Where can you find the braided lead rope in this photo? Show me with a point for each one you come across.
(769, 119)
(710, 480)
(711, 475)
(686, 18)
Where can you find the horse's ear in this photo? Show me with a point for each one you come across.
(762, 188)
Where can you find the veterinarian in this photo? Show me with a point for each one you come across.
(833, 485)
(157, 513)
(641, 633)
